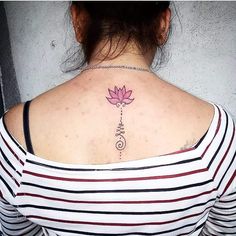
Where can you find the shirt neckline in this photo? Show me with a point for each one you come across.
(150, 159)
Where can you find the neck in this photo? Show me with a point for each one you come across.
(130, 57)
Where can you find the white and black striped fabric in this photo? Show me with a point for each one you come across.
(188, 192)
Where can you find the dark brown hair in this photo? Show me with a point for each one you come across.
(124, 21)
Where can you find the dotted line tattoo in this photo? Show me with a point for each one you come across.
(120, 97)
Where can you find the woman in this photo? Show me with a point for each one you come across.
(117, 150)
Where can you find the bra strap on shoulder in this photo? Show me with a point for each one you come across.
(26, 127)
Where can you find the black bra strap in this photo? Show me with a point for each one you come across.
(26, 127)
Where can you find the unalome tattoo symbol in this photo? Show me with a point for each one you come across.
(120, 97)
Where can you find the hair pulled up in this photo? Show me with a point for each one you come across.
(119, 22)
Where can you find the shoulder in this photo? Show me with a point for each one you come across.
(13, 120)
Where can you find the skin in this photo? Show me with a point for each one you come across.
(75, 123)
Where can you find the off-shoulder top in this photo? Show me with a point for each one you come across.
(188, 192)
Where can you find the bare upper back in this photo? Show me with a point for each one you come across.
(75, 123)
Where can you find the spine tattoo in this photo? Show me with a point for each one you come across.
(120, 97)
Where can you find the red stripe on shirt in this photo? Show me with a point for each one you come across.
(15, 155)
(116, 224)
(116, 179)
(230, 181)
(118, 202)
(11, 176)
(218, 167)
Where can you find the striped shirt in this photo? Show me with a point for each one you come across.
(188, 192)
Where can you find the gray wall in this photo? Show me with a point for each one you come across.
(9, 92)
(202, 54)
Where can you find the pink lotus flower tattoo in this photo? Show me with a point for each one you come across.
(120, 96)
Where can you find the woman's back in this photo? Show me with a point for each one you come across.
(78, 117)
(181, 193)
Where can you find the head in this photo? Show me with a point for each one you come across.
(105, 30)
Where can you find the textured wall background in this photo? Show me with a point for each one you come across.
(202, 54)
(9, 91)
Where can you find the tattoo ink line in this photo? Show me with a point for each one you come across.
(120, 97)
(120, 131)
